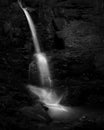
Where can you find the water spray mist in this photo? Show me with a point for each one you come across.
(46, 94)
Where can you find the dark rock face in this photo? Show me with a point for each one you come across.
(99, 62)
(71, 34)
(4, 3)
(79, 34)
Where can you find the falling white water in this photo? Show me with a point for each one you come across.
(46, 95)
(50, 100)
(44, 69)
(41, 58)
(32, 28)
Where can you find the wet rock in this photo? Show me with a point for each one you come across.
(36, 113)
(34, 73)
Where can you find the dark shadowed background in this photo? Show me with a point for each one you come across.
(71, 33)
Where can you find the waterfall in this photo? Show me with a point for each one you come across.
(41, 58)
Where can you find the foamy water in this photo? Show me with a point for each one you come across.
(46, 94)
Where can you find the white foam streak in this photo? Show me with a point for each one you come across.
(44, 69)
(49, 98)
(32, 28)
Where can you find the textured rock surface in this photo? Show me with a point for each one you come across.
(71, 34)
